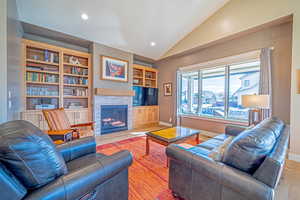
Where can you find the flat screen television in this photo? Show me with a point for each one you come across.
(145, 96)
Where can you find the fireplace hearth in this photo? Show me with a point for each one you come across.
(114, 118)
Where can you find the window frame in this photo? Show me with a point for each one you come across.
(199, 114)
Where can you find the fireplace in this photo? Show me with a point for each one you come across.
(113, 118)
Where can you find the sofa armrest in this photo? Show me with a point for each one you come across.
(77, 148)
(238, 181)
(80, 182)
(234, 130)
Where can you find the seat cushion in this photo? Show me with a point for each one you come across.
(210, 144)
(248, 150)
(30, 154)
(221, 137)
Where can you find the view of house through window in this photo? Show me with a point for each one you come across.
(217, 92)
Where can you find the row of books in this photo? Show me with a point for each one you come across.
(42, 91)
(75, 80)
(43, 55)
(76, 70)
(76, 92)
(41, 77)
(41, 103)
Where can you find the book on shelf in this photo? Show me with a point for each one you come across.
(40, 77)
(42, 91)
(76, 71)
(39, 67)
(75, 80)
(76, 92)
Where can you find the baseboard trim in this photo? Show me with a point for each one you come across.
(294, 157)
(165, 124)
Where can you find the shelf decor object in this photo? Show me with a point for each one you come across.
(114, 69)
(55, 77)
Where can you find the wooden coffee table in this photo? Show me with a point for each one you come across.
(171, 135)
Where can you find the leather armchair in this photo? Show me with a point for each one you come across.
(90, 176)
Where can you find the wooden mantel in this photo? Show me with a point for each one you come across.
(113, 92)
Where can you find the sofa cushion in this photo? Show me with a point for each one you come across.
(210, 144)
(274, 123)
(221, 137)
(30, 154)
(248, 150)
(218, 152)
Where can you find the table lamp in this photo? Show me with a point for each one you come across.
(255, 103)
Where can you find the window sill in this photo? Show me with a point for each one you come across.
(224, 121)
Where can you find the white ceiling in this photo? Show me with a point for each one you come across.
(129, 25)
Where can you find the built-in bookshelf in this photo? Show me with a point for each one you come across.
(55, 77)
(144, 76)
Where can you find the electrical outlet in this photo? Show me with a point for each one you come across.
(170, 120)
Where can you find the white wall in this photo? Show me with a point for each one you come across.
(295, 98)
(3, 61)
(14, 68)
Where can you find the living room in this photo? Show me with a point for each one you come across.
(153, 100)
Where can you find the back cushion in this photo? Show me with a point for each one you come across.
(30, 154)
(248, 150)
(274, 123)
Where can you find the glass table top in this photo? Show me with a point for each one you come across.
(173, 133)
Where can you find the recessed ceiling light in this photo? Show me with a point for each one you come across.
(152, 44)
(84, 16)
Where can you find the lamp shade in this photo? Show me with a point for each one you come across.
(256, 101)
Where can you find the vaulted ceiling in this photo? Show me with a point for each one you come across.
(130, 25)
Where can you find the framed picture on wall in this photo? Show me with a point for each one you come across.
(167, 89)
(114, 69)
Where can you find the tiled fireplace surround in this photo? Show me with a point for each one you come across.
(110, 100)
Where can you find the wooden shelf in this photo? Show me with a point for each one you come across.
(42, 96)
(76, 97)
(75, 85)
(112, 92)
(60, 72)
(138, 85)
(151, 79)
(41, 83)
(143, 80)
(76, 65)
(40, 71)
(138, 77)
(42, 62)
(76, 75)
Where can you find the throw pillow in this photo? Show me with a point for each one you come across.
(30, 154)
(218, 152)
(248, 150)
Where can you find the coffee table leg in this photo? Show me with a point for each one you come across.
(198, 138)
(147, 146)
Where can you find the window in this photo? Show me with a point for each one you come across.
(213, 92)
(246, 83)
(216, 92)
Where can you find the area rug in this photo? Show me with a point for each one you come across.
(148, 175)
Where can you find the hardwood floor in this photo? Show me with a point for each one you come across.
(288, 188)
